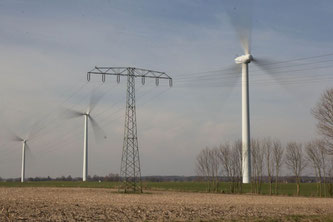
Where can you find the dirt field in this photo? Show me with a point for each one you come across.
(83, 204)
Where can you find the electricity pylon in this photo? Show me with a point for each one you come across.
(130, 162)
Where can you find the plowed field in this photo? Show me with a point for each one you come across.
(85, 204)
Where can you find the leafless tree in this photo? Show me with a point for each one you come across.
(237, 163)
(254, 172)
(323, 112)
(225, 156)
(324, 159)
(277, 161)
(295, 161)
(267, 145)
(231, 160)
(202, 164)
(215, 167)
(208, 166)
(316, 156)
(257, 156)
(330, 175)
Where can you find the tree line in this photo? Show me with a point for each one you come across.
(269, 156)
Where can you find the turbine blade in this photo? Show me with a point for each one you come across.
(34, 130)
(231, 82)
(263, 62)
(70, 114)
(94, 99)
(241, 19)
(14, 137)
(237, 68)
(29, 153)
(99, 133)
(27, 147)
(267, 66)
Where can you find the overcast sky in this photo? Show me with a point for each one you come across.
(47, 47)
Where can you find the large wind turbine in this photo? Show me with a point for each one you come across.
(242, 24)
(97, 130)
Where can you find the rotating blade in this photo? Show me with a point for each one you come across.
(27, 147)
(263, 62)
(99, 133)
(70, 114)
(29, 153)
(9, 132)
(241, 19)
(14, 137)
(94, 100)
(230, 83)
(34, 130)
(235, 68)
(269, 68)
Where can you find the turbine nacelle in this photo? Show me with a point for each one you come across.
(244, 59)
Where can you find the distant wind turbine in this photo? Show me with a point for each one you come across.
(25, 147)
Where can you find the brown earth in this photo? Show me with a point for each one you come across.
(84, 204)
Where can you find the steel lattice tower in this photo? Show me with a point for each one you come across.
(130, 162)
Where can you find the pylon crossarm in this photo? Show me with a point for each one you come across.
(128, 71)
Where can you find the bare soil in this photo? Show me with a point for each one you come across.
(84, 204)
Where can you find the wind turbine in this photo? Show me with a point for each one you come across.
(24, 148)
(242, 24)
(96, 128)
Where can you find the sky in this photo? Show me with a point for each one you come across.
(47, 47)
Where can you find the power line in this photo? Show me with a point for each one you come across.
(192, 75)
(213, 80)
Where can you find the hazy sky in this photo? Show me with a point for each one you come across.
(46, 48)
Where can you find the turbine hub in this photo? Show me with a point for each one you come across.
(244, 59)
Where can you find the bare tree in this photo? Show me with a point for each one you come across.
(215, 167)
(316, 156)
(237, 163)
(295, 161)
(324, 159)
(208, 166)
(257, 155)
(277, 161)
(323, 112)
(231, 160)
(225, 157)
(330, 175)
(202, 165)
(268, 148)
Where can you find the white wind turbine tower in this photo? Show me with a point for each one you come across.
(96, 128)
(244, 60)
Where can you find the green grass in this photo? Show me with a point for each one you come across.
(307, 189)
